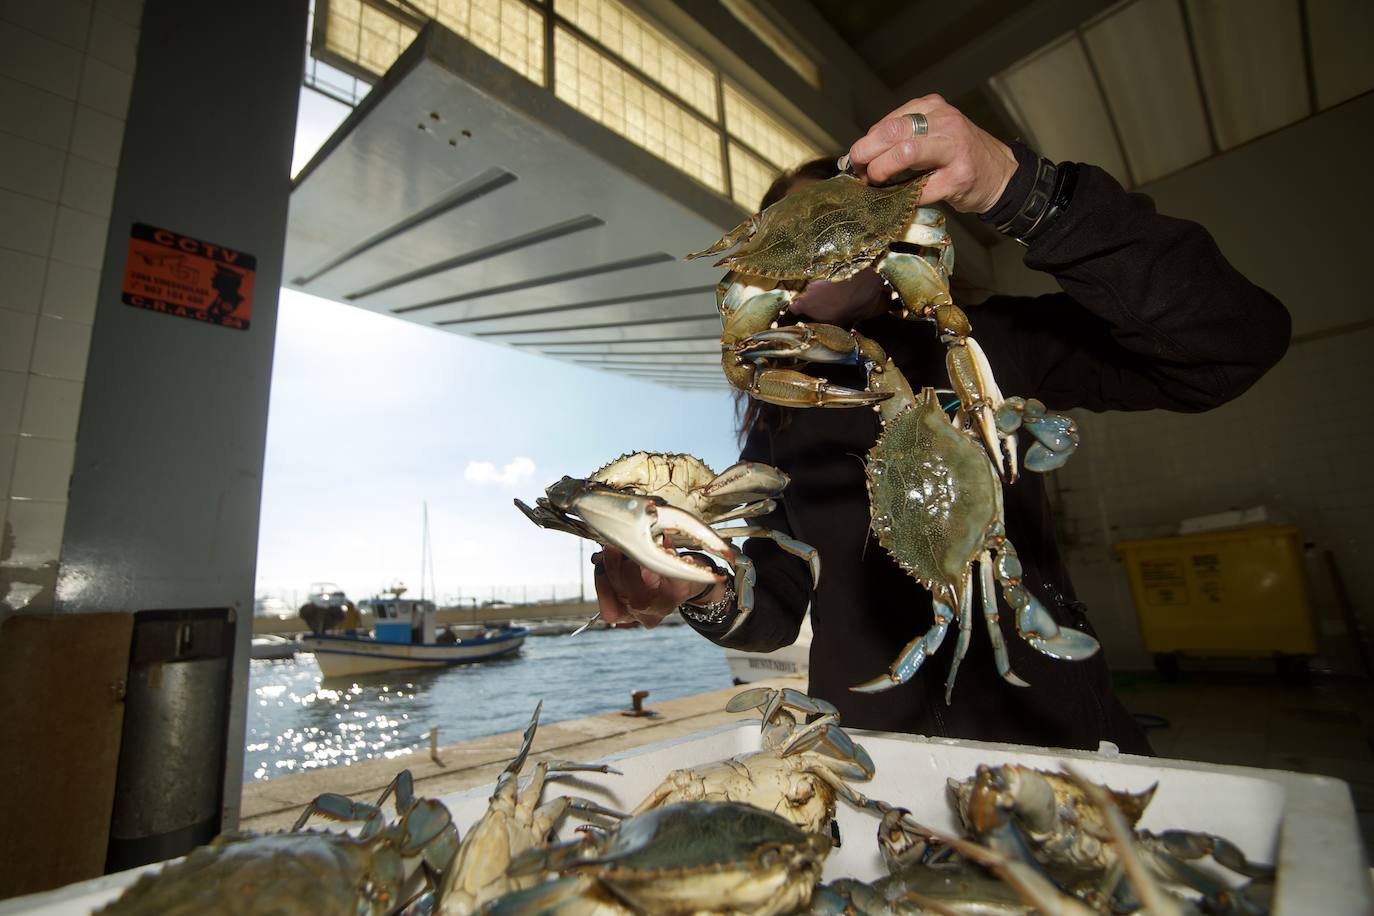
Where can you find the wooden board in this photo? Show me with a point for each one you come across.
(62, 705)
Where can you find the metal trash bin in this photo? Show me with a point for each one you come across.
(1238, 593)
(169, 788)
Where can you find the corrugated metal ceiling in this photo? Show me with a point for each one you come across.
(1153, 86)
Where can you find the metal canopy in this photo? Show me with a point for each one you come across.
(463, 197)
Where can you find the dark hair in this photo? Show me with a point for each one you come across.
(749, 412)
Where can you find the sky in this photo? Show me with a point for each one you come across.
(372, 418)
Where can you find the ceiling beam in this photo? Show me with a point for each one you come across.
(966, 68)
(885, 46)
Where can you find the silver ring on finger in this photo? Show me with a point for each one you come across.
(919, 125)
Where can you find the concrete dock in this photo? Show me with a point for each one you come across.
(274, 804)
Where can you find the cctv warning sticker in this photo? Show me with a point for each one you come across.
(176, 274)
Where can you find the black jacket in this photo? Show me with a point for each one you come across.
(1152, 316)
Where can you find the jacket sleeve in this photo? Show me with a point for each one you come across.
(782, 582)
(1152, 314)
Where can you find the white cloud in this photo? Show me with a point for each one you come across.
(518, 471)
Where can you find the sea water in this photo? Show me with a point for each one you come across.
(297, 721)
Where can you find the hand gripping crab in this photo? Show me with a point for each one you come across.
(513, 822)
(831, 230)
(1059, 822)
(637, 499)
(935, 496)
(309, 872)
(798, 774)
(689, 858)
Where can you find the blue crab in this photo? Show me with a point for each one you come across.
(933, 482)
(799, 773)
(310, 872)
(692, 857)
(1062, 825)
(633, 502)
(515, 820)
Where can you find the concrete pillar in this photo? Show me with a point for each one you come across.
(178, 117)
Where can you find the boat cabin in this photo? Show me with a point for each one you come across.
(403, 620)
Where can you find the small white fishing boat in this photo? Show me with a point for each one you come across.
(789, 661)
(272, 647)
(404, 635)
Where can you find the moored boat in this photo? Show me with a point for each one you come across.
(404, 635)
(270, 646)
(789, 661)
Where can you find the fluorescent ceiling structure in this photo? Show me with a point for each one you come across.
(1154, 86)
(463, 197)
(531, 174)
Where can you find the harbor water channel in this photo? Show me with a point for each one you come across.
(298, 722)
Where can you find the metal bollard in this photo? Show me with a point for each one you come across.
(637, 698)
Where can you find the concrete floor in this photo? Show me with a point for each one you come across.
(1254, 720)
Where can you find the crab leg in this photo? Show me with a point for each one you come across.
(992, 616)
(922, 283)
(915, 653)
(979, 396)
(749, 305)
(1056, 435)
(745, 577)
(746, 482)
(965, 618)
(825, 733)
(1033, 622)
(762, 507)
(799, 549)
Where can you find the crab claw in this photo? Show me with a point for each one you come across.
(1038, 628)
(816, 343)
(971, 376)
(635, 525)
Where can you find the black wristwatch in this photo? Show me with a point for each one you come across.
(1051, 189)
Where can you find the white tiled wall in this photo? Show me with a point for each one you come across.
(66, 70)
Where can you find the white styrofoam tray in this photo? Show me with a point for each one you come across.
(1306, 823)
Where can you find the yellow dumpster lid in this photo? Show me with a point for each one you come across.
(1228, 534)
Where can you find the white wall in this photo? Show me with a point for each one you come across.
(1293, 212)
(66, 68)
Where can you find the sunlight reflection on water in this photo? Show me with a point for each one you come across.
(296, 722)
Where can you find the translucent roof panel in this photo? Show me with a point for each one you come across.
(646, 48)
(610, 94)
(1053, 97)
(1342, 36)
(1252, 66)
(766, 135)
(1141, 56)
(750, 177)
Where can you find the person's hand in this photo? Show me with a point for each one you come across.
(970, 168)
(630, 595)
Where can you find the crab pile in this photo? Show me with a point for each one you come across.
(748, 835)
(934, 482)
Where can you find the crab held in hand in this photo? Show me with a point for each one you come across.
(831, 230)
(934, 492)
(641, 499)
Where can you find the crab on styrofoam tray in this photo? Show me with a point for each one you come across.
(1305, 824)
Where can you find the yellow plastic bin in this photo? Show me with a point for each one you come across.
(1239, 593)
